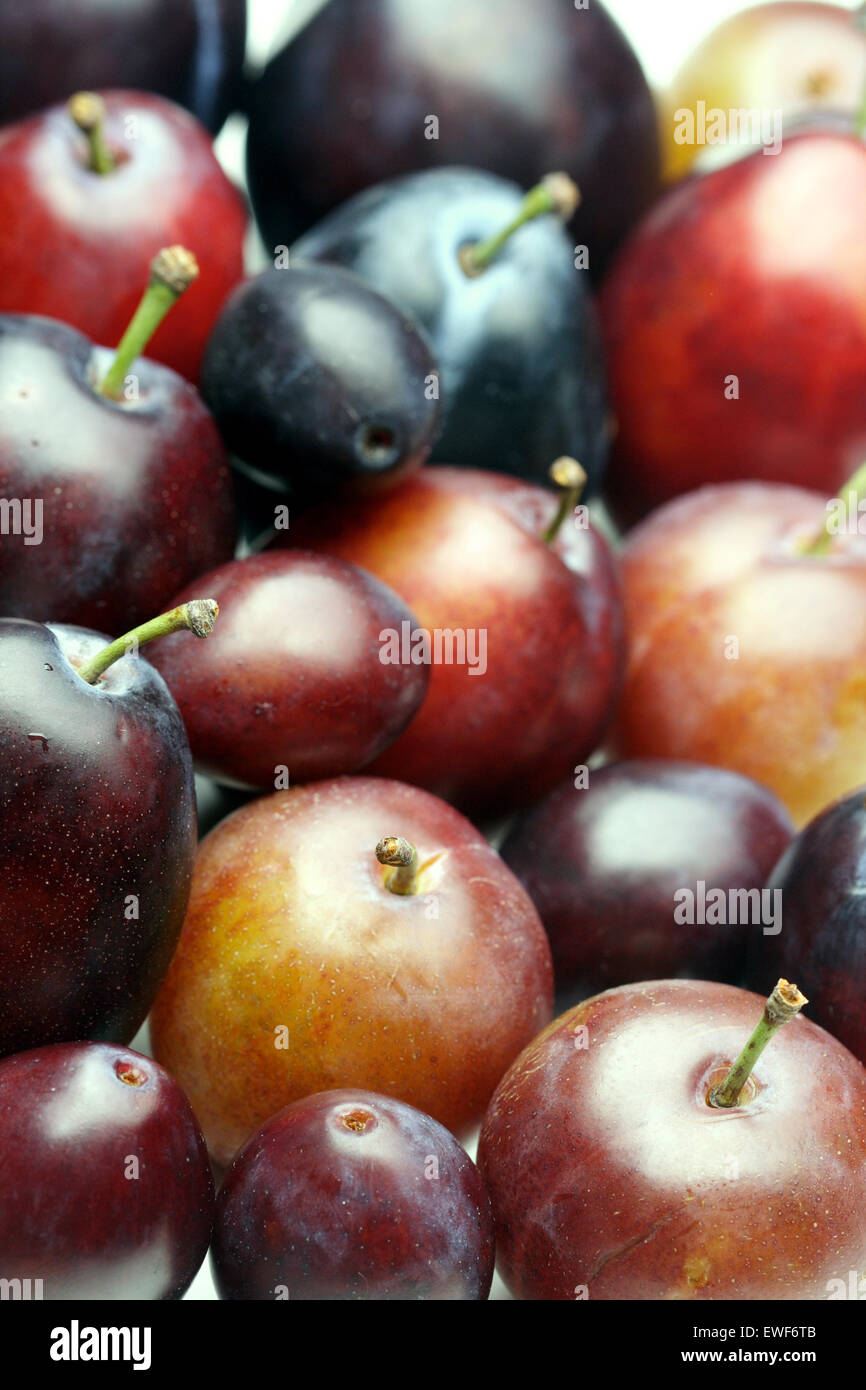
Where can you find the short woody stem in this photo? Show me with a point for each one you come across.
(396, 852)
(783, 1004)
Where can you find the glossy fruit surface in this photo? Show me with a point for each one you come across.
(315, 378)
(611, 1176)
(518, 345)
(513, 88)
(132, 497)
(77, 245)
(189, 50)
(292, 675)
(820, 879)
(314, 975)
(746, 652)
(352, 1195)
(620, 868)
(725, 289)
(97, 820)
(541, 626)
(793, 58)
(106, 1188)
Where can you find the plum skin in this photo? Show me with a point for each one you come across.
(74, 1211)
(292, 675)
(291, 929)
(352, 1195)
(612, 1178)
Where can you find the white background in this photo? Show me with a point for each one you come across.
(662, 32)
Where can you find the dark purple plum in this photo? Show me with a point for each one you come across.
(134, 495)
(292, 677)
(506, 85)
(353, 1195)
(518, 344)
(822, 881)
(105, 1186)
(317, 381)
(189, 50)
(98, 827)
(609, 864)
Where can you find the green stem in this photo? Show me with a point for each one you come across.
(88, 112)
(396, 851)
(171, 272)
(568, 475)
(855, 491)
(782, 1005)
(197, 616)
(556, 193)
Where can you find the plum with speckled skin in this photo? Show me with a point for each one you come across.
(298, 970)
(292, 674)
(134, 496)
(107, 1191)
(746, 645)
(353, 1195)
(611, 1176)
(98, 826)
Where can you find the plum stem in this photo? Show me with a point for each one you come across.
(570, 478)
(783, 1004)
(556, 193)
(396, 851)
(88, 112)
(854, 492)
(172, 271)
(198, 617)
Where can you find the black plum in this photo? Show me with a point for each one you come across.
(352, 1195)
(105, 1187)
(518, 344)
(98, 827)
(133, 496)
(372, 89)
(189, 50)
(318, 381)
(609, 864)
(822, 881)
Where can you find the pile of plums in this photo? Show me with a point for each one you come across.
(441, 800)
